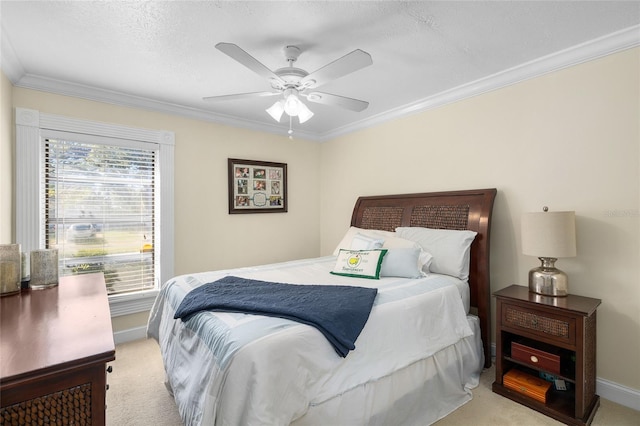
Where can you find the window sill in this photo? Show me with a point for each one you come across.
(126, 304)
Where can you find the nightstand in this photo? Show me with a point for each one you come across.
(548, 338)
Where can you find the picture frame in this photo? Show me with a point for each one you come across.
(257, 186)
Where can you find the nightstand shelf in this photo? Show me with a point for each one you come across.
(567, 370)
(564, 328)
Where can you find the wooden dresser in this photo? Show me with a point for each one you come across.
(54, 347)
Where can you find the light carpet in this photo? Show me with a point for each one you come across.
(137, 397)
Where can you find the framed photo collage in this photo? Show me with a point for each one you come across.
(257, 186)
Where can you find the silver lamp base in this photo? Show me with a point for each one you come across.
(548, 280)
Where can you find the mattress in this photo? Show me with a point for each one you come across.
(232, 368)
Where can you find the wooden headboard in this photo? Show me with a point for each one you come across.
(470, 209)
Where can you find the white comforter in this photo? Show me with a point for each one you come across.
(230, 369)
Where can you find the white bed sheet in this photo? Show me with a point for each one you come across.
(284, 373)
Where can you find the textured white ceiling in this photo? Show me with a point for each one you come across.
(161, 55)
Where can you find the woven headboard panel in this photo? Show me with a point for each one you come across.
(458, 210)
(380, 217)
(435, 217)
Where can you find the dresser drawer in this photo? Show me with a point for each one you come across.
(554, 327)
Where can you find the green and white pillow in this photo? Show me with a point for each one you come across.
(359, 263)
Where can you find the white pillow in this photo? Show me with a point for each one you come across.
(424, 259)
(364, 242)
(346, 241)
(359, 263)
(402, 262)
(451, 249)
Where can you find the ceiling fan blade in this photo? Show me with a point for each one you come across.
(340, 67)
(336, 100)
(239, 96)
(248, 61)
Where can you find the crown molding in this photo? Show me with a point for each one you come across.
(588, 51)
(615, 42)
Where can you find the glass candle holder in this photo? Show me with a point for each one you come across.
(44, 268)
(9, 269)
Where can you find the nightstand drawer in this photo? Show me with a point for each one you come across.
(554, 327)
(535, 357)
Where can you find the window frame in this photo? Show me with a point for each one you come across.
(31, 125)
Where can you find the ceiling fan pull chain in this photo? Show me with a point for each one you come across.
(290, 129)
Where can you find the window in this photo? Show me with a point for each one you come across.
(103, 196)
(99, 202)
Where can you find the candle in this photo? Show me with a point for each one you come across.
(9, 277)
(44, 268)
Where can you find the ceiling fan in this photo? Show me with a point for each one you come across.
(291, 83)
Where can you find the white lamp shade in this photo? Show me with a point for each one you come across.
(292, 105)
(276, 110)
(304, 113)
(549, 234)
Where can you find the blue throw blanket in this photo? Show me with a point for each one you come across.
(338, 312)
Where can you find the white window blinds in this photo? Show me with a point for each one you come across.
(100, 201)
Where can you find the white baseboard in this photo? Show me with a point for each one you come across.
(130, 335)
(619, 394)
(609, 390)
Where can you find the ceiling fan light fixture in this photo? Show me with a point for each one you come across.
(304, 113)
(276, 110)
(294, 107)
(291, 102)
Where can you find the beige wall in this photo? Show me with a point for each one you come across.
(6, 161)
(568, 140)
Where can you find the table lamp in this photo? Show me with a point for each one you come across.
(548, 236)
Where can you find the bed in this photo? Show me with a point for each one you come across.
(417, 357)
